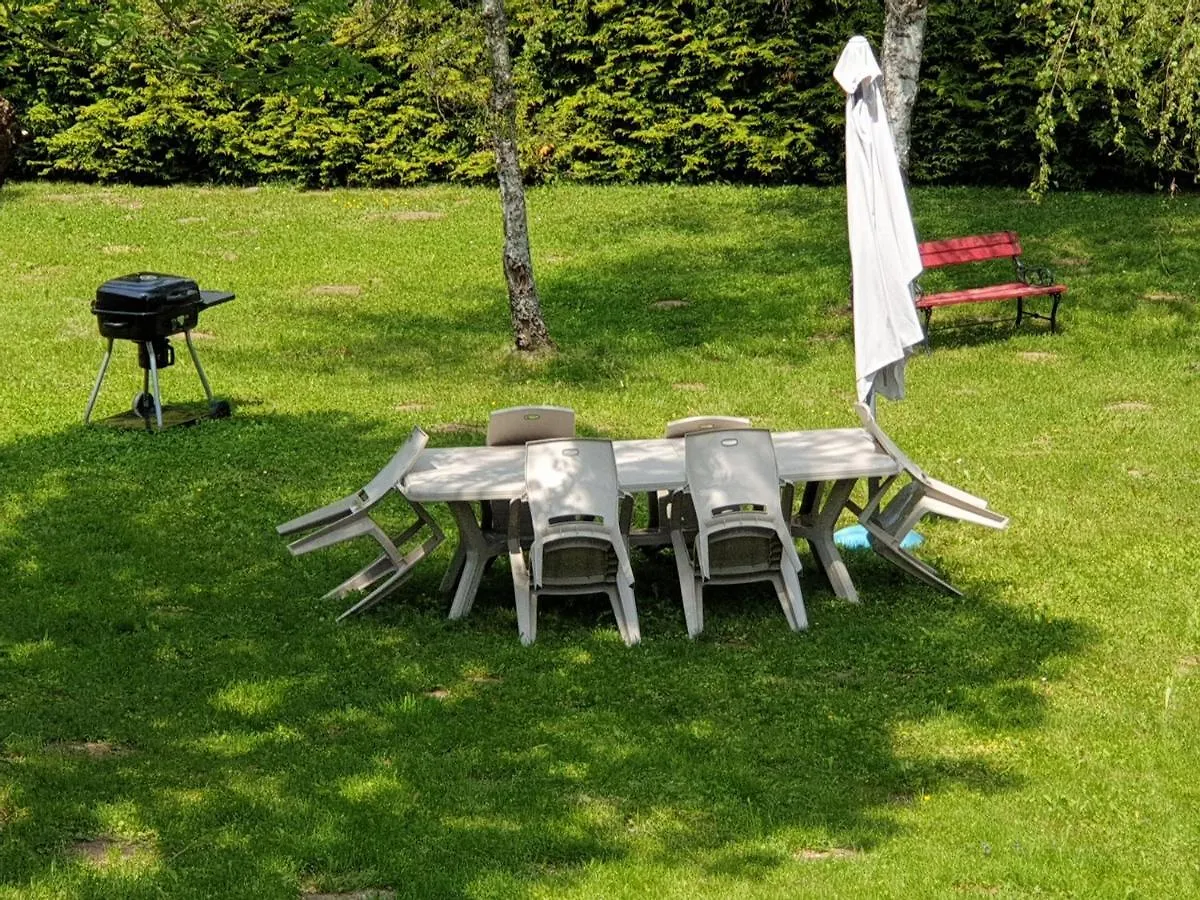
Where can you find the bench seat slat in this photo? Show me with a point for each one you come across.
(1010, 291)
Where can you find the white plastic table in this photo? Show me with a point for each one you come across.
(827, 463)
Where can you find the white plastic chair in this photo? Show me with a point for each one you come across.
(657, 532)
(577, 547)
(693, 424)
(521, 424)
(741, 535)
(350, 518)
(887, 525)
(506, 427)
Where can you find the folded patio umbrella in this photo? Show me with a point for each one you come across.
(883, 244)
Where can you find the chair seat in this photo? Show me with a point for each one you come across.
(563, 561)
(743, 552)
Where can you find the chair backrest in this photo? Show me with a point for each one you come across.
(573, 479)
(680, 427)
(733, 480)
(521, 424)
(731, 470)
(888, 445)
(389, 476)
(571, 487)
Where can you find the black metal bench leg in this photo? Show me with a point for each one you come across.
(1020, 311)
(928, 314)
(1054, 314)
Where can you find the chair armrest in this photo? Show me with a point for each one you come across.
(352, 526)
(322, 516)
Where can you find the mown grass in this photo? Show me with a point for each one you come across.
(173, 692)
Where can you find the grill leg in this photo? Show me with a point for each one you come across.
(153, 376)
(87, 413)
(199, 368)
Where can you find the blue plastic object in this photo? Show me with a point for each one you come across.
(854, 537)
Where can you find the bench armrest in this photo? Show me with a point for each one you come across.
(1039, 275)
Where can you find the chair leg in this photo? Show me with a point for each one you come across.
(614, 600)
(906, 562)
(524, 596)
(402, 565)
(695, 621)
(628, 619)
(792, 599)
(397, 579)
(687, 584)
(362, 579)
(527, 616)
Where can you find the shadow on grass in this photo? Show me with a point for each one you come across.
(726, 276)
(261, 750)
(638, 286)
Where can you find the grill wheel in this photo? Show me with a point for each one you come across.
(143, 405)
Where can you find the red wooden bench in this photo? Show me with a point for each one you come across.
(1029, 282)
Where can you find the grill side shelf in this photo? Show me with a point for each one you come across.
(215, 298)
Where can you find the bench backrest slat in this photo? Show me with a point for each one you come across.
(975, 248)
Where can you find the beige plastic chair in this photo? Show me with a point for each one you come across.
(577, 547)
(521, 424)
(741, 535)
(694, 424)
(350, 518)
(887, 525)
(657, 532)
(506, 427)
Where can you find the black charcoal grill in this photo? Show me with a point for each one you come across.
(148, 308)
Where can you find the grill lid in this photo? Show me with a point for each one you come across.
(145, 292)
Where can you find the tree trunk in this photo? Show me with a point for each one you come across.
(529, 330)
(903, 40)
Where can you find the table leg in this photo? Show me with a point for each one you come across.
(450, 579)
(815, 523)
(475, 550)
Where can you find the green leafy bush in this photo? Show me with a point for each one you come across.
(318, 93)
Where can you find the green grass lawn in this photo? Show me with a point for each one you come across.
(180, 716)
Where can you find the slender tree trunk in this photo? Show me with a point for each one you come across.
(529, 329)
(903, 40)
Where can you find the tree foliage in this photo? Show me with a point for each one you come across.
(1137, 64)
(393, 92)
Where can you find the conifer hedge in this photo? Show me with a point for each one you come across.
(611, 91)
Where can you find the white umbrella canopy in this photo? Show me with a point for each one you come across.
(883, 244)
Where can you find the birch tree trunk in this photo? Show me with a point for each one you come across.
(529, 329)
(903, 41)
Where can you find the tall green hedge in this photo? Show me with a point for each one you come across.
(611, 91)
